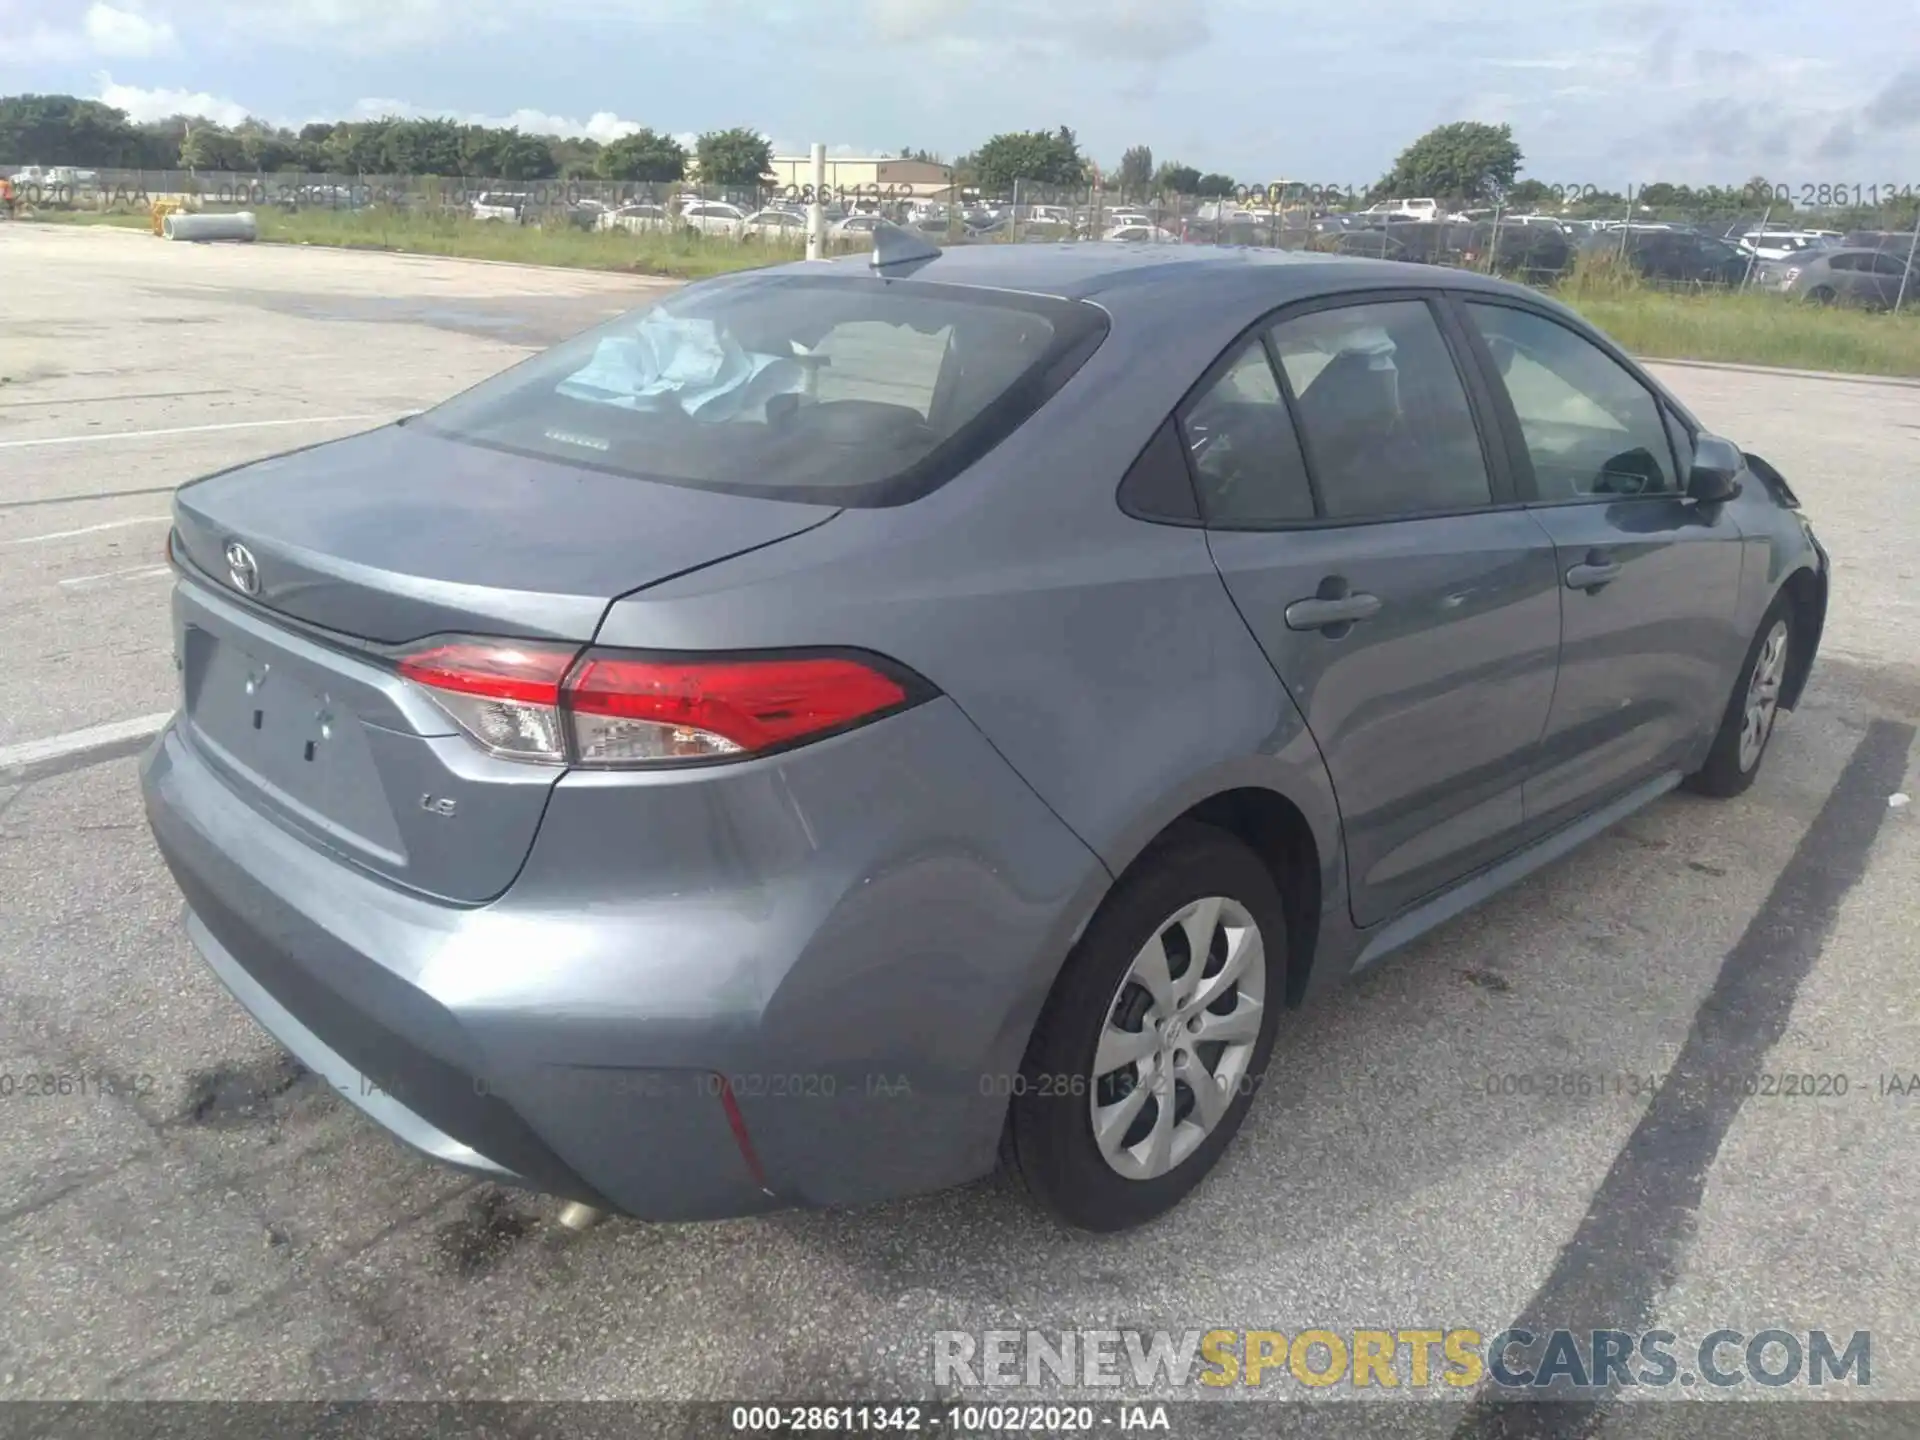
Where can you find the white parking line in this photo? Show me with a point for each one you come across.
(195, 430)
(108, 577)
(60, 751)
(86, 530)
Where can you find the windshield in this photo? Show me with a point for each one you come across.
(854, 391)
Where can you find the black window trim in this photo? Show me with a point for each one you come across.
(1195, 519)
(1500, 478)
(1528, 482)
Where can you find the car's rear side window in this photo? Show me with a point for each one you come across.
(855, 391)
(1388, 426)
(1247, 464)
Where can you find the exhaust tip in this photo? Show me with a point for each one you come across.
(579, 1217)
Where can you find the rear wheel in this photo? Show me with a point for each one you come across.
(1747, 726)
(1155, 1037)
(1821, 295)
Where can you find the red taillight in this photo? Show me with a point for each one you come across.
(506, 696)
(610, 709)
(529, 675)
(634, 710)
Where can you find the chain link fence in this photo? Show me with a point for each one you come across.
(1848, 245)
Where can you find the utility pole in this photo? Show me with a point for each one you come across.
(816, 212)
(1907, 274)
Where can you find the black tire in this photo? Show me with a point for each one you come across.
(1821, 295)
(1725, 774)
(1050, 1139)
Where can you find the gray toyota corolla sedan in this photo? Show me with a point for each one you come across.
(854, 724)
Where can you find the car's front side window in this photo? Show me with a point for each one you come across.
(1590, 428)
(1388, 427)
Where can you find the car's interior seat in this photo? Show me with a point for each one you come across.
(1351, 413)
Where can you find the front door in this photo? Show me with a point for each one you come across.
(1413, 614)
(1649, 580)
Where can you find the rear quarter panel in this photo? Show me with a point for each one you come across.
(1100, 655)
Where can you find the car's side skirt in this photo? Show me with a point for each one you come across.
(1469, 892)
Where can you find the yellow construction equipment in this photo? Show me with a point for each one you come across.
(162, 209)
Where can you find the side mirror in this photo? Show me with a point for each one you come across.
(1715, 476)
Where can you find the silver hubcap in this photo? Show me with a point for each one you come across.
(1763, 695)
(1179, 1037)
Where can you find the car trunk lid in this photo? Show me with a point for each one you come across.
(356, 550)
(398, 533)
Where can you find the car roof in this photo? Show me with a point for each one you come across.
(1081, 271)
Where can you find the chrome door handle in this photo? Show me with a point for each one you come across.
(1592, 575)
(1318, 614)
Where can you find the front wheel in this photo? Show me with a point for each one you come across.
(1156, 1035)
(1746, 727)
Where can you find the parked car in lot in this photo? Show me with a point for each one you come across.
(1136, 231)
(1783, 244)
(840, 725)
(1866, 279)
(1897, 240)
(785, 225)
(586, 214)
(1674, 256)
(640, 218)
(1258, 230)
(1425, 209)
(331, 197)
(854, 227)
(1411, 242)
(714, 217)
(501, 205)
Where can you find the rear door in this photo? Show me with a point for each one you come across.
(1649, 580)
(1370, 541)
(1888, 272)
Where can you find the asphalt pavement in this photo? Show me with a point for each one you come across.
(223, 1226)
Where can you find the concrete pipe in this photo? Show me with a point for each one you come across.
(182, 226)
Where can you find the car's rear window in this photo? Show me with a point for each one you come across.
(843, 391)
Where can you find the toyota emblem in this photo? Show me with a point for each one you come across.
(242, 569)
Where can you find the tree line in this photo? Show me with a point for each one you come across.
(67, 130)
(1466, 163)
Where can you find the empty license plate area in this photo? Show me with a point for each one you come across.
(287, 731)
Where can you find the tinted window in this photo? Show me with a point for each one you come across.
(1384, 413)
(1844, 262)
(1886, 264)
(1246, 458)
(793, 387)
(1590, 427)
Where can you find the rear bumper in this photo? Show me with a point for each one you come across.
(842, 950)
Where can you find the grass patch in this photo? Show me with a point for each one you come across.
(1757, 330)
(1746, 328)
(683, 256)
(678, 255)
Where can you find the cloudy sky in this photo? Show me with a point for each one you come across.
(1604, 92)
